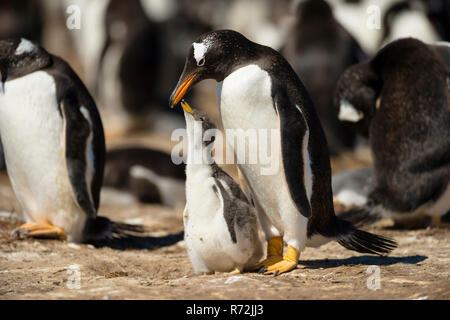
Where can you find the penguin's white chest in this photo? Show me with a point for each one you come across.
(245, 100)
(32, 133)
(245, 103)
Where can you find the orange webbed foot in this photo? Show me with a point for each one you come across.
(39, 230)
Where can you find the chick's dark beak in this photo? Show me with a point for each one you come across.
(181, 89)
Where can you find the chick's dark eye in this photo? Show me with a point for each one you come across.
(201, 62)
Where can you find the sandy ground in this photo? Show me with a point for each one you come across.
(154, 265)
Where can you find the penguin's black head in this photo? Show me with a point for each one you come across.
(355, 97)
(19, 57)
(213, 55)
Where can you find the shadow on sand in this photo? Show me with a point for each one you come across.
(361, 260)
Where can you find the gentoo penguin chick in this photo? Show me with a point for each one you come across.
(320, 49)
(400, 100)
(258, 91)
(53, 140)
(148, 174)
(220, 225)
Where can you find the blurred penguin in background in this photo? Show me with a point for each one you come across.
(320, 49)
(134, 59)
(415, 18)
(352, 187)
(21, 19)
(439, 15)
(262, 21)
(376, 23)
(148, 175)
(400, 100)
(363, 19)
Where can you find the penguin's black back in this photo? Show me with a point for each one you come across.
(410, 132)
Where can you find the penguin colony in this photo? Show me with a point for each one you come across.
(54, 147)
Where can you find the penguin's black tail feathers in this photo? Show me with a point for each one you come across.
(102, 232)
(364, 242)
(361, 216)
(102, 228)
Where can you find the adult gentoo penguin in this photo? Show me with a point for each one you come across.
(259, 90)
(220, 225)
(53, 140)
(400, 100)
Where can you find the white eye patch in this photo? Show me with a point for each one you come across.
(24, 47)
(200, 50)
(347, 112)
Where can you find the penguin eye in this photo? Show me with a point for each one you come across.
(201, 62)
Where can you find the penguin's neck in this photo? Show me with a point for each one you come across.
(199, 154)
(200, 196)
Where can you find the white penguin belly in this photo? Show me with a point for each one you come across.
(245, 102)
(208, 241)
(32, 132)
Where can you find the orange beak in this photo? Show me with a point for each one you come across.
(188, 108)
(179, 92)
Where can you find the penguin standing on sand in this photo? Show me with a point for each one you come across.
(257, 90)
(400, 100)
(53, 140)
(220, 225)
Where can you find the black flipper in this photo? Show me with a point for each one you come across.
(72, 96)
(77, 151)
(293, 128)
(229, 209)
